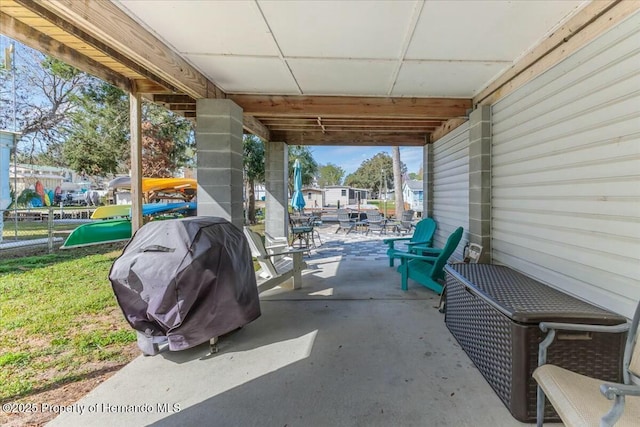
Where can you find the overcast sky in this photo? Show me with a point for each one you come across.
(350, 158)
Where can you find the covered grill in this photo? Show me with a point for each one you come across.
(188, 280)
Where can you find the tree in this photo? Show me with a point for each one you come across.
(307, 162)
(45, 89)
(98, 135)
(369, 174)
(156, 152)
(397, 180)
(415, 176)
(330, 174)
(168, 141)
(253, 159)
(69, 118)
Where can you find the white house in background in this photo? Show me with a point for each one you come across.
(413, 194)
(387, 195)
(313, 197)
(341, 195)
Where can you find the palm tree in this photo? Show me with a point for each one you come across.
(397, 181)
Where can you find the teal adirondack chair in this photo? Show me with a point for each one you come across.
(422, 237)
(428, 270)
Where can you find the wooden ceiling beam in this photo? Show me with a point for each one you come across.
(254, 126)
(182, 107)
(350, 138)
(102, 25)
(350, 129)
(445, 128)
(355, 107)
(187, 104)
(382, 119)
(285, 121)
(35, 39)
(149, 87)
(174, 99)
(348, 126)
(38, 7)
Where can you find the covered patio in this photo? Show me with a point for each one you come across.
(528, 114)
(349, 348)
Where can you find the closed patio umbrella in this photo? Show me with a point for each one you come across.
(297, 199)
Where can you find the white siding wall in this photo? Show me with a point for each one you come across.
(313, 199)
(333, 195)
(566, 173)
(451, 187)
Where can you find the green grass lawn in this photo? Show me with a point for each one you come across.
(34, 229)
(390, 206)
(59, 320)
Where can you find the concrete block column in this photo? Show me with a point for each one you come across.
(480, 180)
(219, 143)
(276, 176)
(427, 181)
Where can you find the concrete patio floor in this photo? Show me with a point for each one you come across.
(349, 349)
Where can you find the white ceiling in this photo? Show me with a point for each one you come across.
(371, 48)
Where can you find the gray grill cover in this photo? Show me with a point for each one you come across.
(188, 279)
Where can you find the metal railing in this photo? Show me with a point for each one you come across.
(38, 229)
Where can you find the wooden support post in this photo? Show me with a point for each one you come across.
(135, 117)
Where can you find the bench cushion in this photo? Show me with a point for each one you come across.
(578, 400)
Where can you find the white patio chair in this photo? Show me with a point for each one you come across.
(287, 264)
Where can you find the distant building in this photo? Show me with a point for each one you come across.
(313, 198)
(387, 195)
(341, 195)
(23, 176)
(413, 194)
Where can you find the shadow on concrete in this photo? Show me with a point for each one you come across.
(348, 349)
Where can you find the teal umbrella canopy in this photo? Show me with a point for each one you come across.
(297, 199)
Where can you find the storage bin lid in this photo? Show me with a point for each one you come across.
(525, 300)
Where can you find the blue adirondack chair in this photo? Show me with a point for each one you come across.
(422, 237)
(428, 270)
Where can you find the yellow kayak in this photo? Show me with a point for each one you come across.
(159, 189)
(168, 184)
(156, 184)
(111, 211)
(117, 211)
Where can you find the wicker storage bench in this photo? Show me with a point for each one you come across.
(494, 312)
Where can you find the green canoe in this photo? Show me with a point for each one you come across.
(116, 230)
(92, 233)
